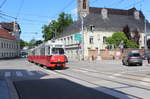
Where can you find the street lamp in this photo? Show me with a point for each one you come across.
(145, 37)
(82, 34)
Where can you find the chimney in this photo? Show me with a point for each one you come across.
(104, 13)
(136, 15)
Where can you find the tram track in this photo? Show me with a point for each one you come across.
(61, 73)
(120, 82)
(121, 75)
(78, 78)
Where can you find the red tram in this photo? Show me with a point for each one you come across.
(49, 54)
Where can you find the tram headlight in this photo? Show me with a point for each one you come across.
(58, 60)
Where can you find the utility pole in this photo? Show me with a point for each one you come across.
(145, 38)
(82, 36)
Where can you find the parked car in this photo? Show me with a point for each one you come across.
(132, 58)
(145, 56)
(148, 59)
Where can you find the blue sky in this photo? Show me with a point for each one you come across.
(33, 14)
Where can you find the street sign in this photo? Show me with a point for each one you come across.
(77, 37)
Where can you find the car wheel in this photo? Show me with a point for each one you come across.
(127, 63)
(123, 63)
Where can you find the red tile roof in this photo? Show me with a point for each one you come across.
(9, 26)
(5, 34)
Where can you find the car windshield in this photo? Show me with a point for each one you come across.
(134, 55)
(58, 51)
(145, 54)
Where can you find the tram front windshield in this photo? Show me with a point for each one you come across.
(57, 51)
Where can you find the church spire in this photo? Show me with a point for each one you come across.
(83, 8)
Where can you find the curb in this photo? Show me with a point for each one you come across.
(12, 90)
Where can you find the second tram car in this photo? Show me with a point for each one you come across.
(50, 54)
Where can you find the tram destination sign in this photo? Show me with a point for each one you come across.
(77, 37)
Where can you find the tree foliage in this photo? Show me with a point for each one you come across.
(30, 44)
(134, 36)
(55, 27)
(119, 37)
(22, 44)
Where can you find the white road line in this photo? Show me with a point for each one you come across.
(144, 83)
(146, 79)
(30, 73)
(52, 72)
(19, 74)
(117, 74)
(111, 77)
(7, 74)
(80, 70)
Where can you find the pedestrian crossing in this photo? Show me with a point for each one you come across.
(8, 74)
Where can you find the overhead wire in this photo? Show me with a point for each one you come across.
(19, 10)
(134, 4)
(62, 10)
(24, 19)
(2, 4)
(94, 1)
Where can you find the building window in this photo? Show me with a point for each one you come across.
(71, 38)
(92, 27)
(84, 4)
(1, 45)
(91, 40)
(68, 40)
(65, 40)
(104, 39)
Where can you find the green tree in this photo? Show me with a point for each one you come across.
(117, 38)
(22, 44)
(38, 42)
(56, 27)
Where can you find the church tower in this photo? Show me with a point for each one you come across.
(83, 8)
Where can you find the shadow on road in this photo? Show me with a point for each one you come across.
(57, 89)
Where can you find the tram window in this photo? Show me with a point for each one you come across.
(48, 50)
(58, 51)
(42, 51)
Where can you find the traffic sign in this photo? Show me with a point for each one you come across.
(77, 37)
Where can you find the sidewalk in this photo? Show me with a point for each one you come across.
(7, 90)
(4, 90)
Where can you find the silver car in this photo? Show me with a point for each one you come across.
(132, 59)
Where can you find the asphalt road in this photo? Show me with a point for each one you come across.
(83, 79)
(57, 89)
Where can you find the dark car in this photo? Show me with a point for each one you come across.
(145, 56)
(132, 59)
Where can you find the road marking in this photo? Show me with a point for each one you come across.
(146, 79)
(7, 74)
(19, 74)
(111, 77)
(52, 72)
(80, 70)
(88, 70)
(144, 83)
(117, 74)
(30, 73)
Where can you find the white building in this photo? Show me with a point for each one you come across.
(13, 28)
(9, 40)
(95, 24)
